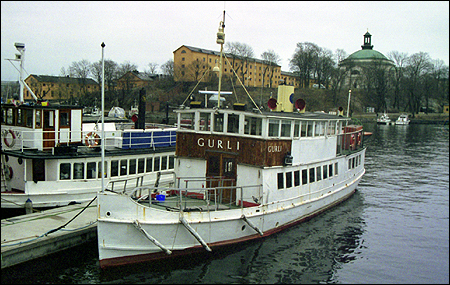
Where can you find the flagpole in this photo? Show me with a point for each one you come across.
(102, 138)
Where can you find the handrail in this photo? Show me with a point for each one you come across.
(38, 139)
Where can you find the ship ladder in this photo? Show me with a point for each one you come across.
(194, 233)
(252, 225)
(152, 239)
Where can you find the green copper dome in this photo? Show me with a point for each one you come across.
(366, 54)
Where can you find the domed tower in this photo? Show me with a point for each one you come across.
(355, 62)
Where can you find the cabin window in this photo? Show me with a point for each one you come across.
(187, 121)
(100, 169)
(288, 179)
(309, 131)
(304, 129)
(29, 118)
(64, 171)
(141, 165)
(132, 166)
(123, 167)
(114, 168)
(330, 169)
(38, 118)
(318, 173)
(297, 129)
(233, 123)
(218, 122)
(312, 175)
(9, 117)
(297, 178)
(149, 165)
(274, 126)
(325, 172)
(205, 121)
(331, 128)
(156, 164)
(171, 162)
(320, 129)
(304, 176)
(19, 117)
(280, 180)
(253, 126)
(285, 128)
(91, 168)
(164, 163)
(335, 168)
(64, 119)
(78, 170)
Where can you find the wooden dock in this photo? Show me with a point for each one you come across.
(31, 236)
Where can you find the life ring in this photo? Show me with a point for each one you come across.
(92, 139)
(5, 140)
(8, 172)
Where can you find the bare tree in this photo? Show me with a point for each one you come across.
(418, 65)
(303, 61)
(271, 61)
(242, 52)
(125, 67)
(399, 60)
(152, 68)
(168, 67)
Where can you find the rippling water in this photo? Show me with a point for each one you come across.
(395, 229)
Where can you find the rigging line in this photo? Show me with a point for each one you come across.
(58, 228)
(243, 86)
(206, 71)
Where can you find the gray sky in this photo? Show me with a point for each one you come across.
(56, 34)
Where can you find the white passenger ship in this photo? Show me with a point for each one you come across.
(240, 175)
(51, 158)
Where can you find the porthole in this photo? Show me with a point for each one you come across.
(19, 160)
(243, 228)
(108, 214)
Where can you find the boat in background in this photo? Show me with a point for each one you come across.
(403, 119)
(384, 119)
(52, 156)
(240, 175)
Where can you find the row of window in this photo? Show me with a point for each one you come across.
(354, 162)
(122, 167)
(24, 117)
(253, 125)
(310, 175)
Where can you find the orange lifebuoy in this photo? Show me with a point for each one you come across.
(5, 140)
(92, 139)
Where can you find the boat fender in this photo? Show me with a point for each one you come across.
(5, 140)
(8, 172)
(92, 139)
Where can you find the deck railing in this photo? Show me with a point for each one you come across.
(66, 140)
(188, 197)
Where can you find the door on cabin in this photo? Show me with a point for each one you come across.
(49, 129)
(221, 172)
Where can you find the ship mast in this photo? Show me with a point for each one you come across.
(221, 41)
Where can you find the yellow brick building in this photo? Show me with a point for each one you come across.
(57, 87)
(190, 64)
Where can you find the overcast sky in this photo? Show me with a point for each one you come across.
(56, 34)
